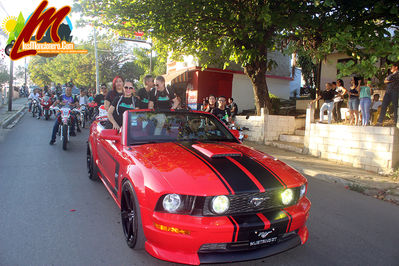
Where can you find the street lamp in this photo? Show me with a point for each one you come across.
(140, 41)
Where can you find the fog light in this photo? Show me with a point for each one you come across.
(220, 204)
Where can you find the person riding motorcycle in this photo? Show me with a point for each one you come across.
(35, 96)
(65, 100)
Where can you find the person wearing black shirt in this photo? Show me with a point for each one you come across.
(222, 112)
(391, 94)
(211, 105)
(327, 95)
(100, 98)
(127, 101)
(233, 107)
(162, 97)
(117, 90)
(144, 93)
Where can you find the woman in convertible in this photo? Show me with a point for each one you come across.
(126, 101)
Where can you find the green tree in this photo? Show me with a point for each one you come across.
(244, 31)
(4, 75)
(357, 28)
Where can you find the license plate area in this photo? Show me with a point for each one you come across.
(263, 237)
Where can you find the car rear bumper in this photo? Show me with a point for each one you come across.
(194, 240)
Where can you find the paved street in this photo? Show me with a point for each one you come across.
(52, 214)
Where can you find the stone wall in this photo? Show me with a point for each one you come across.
(276, 125)
(374, 149)
(266, 128)
(255, 125)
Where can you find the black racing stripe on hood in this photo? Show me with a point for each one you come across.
(237, 179)
(259, 168)
(265, 177)
(207, 164)
(247, 224)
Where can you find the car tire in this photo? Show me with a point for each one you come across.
(91, 166)
(131, 218)
(65, 137)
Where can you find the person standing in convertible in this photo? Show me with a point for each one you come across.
(162, 98)
(125, 102)
(144, 93)
(117, 90)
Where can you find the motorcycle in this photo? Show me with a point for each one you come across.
(83, 115)
(91, 107)
(65, 121)
(46, 104)
(35, 107)
(241, 130)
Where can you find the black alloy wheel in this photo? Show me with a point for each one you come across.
(91, 166)
(131, 218)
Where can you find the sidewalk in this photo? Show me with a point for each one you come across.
(18, 107)
(368, 183)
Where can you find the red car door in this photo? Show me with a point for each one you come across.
(108, 164)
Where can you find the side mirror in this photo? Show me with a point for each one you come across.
(110, 134)
(235, 132)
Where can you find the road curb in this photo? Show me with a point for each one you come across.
(13, 117)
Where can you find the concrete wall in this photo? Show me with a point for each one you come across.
(255, 125)
(267, 128)
(371, 148)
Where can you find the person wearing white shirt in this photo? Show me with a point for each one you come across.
(34, 96)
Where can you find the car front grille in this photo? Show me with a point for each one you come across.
(244, 203)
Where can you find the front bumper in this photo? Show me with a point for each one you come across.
(225, 238)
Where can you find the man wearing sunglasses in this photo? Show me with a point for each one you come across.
(125, 102)
(161, 97)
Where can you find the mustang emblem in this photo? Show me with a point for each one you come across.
(265, 234)
(255, 202)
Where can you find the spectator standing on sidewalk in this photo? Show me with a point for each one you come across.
(212, 104)
(365, 102)
(338, 100)
(233, 107)
(353, 102)
(222, 111)
(327, 95)
(391, 94)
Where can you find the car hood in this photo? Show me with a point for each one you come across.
(216, 168)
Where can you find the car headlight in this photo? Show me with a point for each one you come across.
(172, 202)
(302, 191)
(220, 204)
(287, 196)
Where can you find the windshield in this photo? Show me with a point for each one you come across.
(144, 127)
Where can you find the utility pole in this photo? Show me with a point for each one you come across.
(139, 41)
(26, 79)
(10, 88)
(96, 57)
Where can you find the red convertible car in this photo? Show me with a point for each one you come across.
(190, 192)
